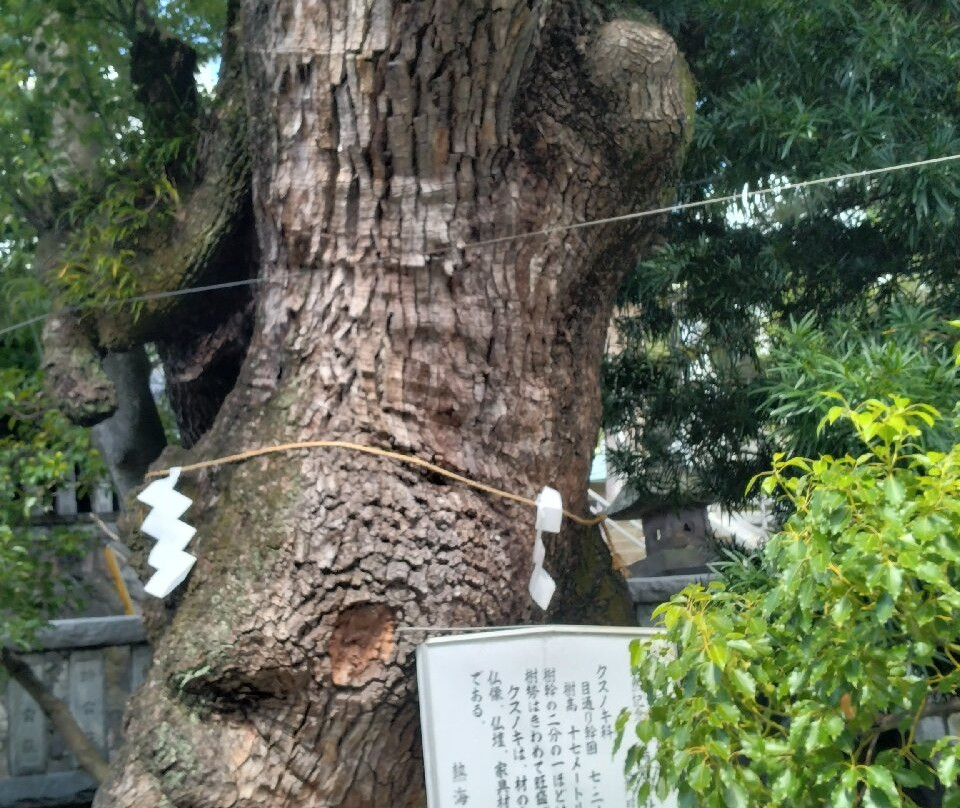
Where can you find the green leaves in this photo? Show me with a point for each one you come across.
(81, 182)
(788, 91)
(785, 684)
(39, 452)
(74, 154)
(817, 374)
(97, 268)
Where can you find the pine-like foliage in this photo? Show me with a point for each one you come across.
(787, 90)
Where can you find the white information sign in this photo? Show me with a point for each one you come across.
(524, 718)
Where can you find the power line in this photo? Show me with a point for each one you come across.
(719, 200)
(546, 231)
(145, 298)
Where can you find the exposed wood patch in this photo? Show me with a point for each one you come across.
(361, 640)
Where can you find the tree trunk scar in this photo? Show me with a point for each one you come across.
(361, 641)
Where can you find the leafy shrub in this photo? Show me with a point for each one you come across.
(787, 691)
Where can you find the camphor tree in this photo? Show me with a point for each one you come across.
(359, 161)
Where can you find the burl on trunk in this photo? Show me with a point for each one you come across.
(391, 143)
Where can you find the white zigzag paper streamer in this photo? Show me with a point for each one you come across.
(549, 519)
(163, 523)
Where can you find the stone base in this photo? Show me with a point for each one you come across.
(63, 789)
(650, 592)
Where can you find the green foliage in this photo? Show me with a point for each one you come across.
(783, 681)
(687, 420)
(105, 226)
(61, 85)
(787, 90)
(39, 452)
(82, 179)
(907, 350)
(75, 157)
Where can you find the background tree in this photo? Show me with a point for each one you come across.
(358, 163)
(898, 350)
(78, 180)
(786, 91)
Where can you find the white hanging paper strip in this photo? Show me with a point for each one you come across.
(176, 567)
(542, 586)
(163, 553)
(163, 523)
(549, 519)
(549, 510)
(160, 494)
(539, 550)
(167, 529)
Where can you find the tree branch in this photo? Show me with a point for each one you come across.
(186, 250)
(86, 753)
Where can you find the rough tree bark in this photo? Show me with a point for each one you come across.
(132, 437)
(386, 138)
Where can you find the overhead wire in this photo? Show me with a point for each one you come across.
(151, 296)
(412, 459)
(717, 200)
(745, 195)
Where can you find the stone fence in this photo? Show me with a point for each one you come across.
(92, 661)
(93, 664)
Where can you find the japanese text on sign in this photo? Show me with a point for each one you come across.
(525, 718)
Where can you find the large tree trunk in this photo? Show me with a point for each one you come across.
(386, 138)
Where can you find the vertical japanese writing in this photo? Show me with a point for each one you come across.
(542, 732)
(496, 686)
(520, 786)
(497, 732)
(516, 730)
(461, 796)
(515, 716)
(589, 730)
(596, 778)
(550, 682)
(550, 693)
(502, 774)
(559, 789)
(476, 697)
(603, 694)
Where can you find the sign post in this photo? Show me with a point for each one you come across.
(524, 718)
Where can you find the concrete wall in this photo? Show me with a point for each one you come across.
(93, 664)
